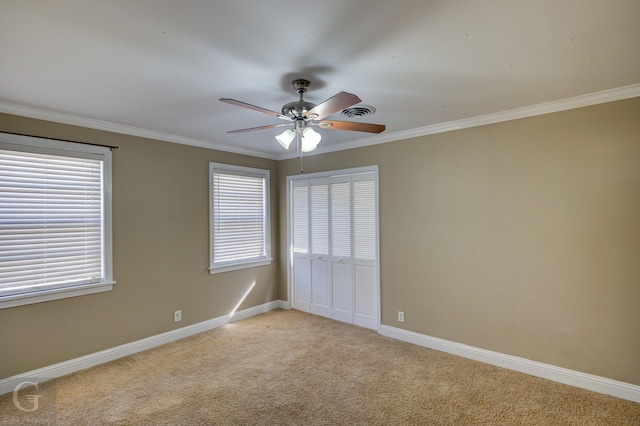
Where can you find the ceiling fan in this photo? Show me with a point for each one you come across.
(301, 115)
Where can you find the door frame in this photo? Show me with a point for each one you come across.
(327, 174)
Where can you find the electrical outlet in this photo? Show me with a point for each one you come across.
(400, 316)
(177, 316)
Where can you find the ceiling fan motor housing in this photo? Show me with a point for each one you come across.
(297, 109)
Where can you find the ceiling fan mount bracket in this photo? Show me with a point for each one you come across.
(301, 85)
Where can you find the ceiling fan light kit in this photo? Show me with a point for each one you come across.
(301, 115)
(285, 138)
(310, 140)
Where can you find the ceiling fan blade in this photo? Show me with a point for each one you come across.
(251, 129)
(349, 125)
(255, 108)
(332, 105)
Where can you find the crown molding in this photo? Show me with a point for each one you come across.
(604, 96)
(75, 120)
(595, 98)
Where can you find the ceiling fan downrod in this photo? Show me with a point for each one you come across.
(299, 108)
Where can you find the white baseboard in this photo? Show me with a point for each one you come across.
(91, 360)
(557, 374)
(562, 375)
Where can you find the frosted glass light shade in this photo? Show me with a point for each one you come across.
(285, 138)
(310, 139)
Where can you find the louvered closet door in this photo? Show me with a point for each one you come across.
(364, 250)
(334, 247)
(319, 256)
(341, 272)
(300, 220)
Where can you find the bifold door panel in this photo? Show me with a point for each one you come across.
(333, 238)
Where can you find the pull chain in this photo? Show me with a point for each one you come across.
(299, 150)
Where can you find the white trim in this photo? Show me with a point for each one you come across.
(601, 97)
(53, 145)
(71, 149)
(595, 98)
(54, 294)
(378, 260)
(232, 169)
(76, 120)
(107, 208)
(332, 173)
(91, 360)
(557, 374)
(238, 266)
(562, 375)
(289, 255)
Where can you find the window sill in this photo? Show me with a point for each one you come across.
(229, 268)
(59, 293)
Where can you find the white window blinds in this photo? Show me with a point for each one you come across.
(300, 212)
(341, 217)
(239, 217)
(320, 218)
(364, 213)
(51, 222)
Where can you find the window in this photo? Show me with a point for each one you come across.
(55, 220)
(239, 217)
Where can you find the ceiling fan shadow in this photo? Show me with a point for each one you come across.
(306, 73)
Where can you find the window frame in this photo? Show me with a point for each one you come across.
(21, 143)
(230, 169)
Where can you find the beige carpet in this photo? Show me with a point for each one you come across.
(291, 368)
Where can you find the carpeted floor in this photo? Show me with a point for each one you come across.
(291, 368)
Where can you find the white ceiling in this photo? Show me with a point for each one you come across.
(157, 68)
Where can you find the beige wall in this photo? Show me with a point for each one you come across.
(521, 237)
(161, 255)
